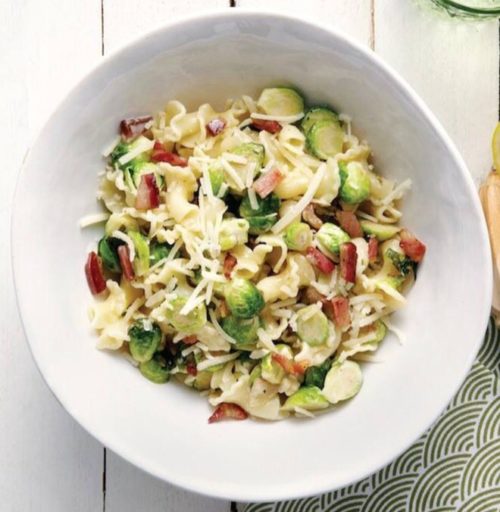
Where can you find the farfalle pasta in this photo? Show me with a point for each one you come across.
(252, 254)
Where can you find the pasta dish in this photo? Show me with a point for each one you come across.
(253, 254)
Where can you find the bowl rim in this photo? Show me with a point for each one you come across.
(199, 487)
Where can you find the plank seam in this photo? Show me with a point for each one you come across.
(372, 25)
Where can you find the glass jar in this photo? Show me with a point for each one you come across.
(474, 8)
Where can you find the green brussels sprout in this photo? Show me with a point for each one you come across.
(136, 168)
(243, 299)
(354, 182)
(255, 374)
(158, 251)
(202, 380)
(325, 139)
(122, 148)
(381, 232)
(264, 217)
(190, 323)
(343, 381)
(315, 375)
(298, 236)
(272, 371)
(244, 331)
(106, 248)
(155, 369)
(215, 368)
(233, 232)
(281, 101)
(216, 176)
(317, 114)
(309, 398)
(379, 332)
(145, 337)
(331, 237)
(141, 260)
(312, 325)
(253, 152)
(403, 264)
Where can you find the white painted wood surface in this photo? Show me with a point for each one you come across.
(48, 461)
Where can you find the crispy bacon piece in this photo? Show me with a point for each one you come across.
(319, 260)
(227, 411)
(216, 126)
(289, 365)
(132, 127)
(348, 260)
(125, 263)
(349, 223)
(94, 274)
(340, 310)
(311, 218)
(229, 263)
(190, 340)
(191, 368)
(268, 182)
(372, 249)
(412, 246)
(148, 195)
(268, 126)
(159, 154)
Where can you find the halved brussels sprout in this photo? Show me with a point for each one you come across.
(122, 148)
(298, 236)
(331, 237)
(202, 380)
(155, 369)
(233, 232)
(281, 101)
(312, 325)
(264, 217)
(106, 248)
(243, 298)
(317, 114)
(379, 332)
(325, 139)
(403, 264)
(190, 323)
(141, 260)
(381, 232)
(343, 381)
(272, 371)
(216, 176)
(244, 331)
(253, 152)
(309, 398)
(145, 337)
(354, 182)
(255, 374)
(158, 251)
(315, 375)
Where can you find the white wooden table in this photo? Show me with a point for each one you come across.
(47, 462)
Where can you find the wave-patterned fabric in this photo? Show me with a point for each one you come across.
(453, 467)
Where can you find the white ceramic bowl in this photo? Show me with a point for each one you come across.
(164, 429)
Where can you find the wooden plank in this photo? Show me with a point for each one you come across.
(127, 487)
(351, 16)
(453, 64)
(49, 462)
(127, 19)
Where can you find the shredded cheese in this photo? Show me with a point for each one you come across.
(298, 208)
(280, 119)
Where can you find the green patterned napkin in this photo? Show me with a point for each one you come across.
(453, 467)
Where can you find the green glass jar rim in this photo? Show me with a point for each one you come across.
(488, 11)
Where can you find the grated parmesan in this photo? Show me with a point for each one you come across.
(94, 218)
(297, 209)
